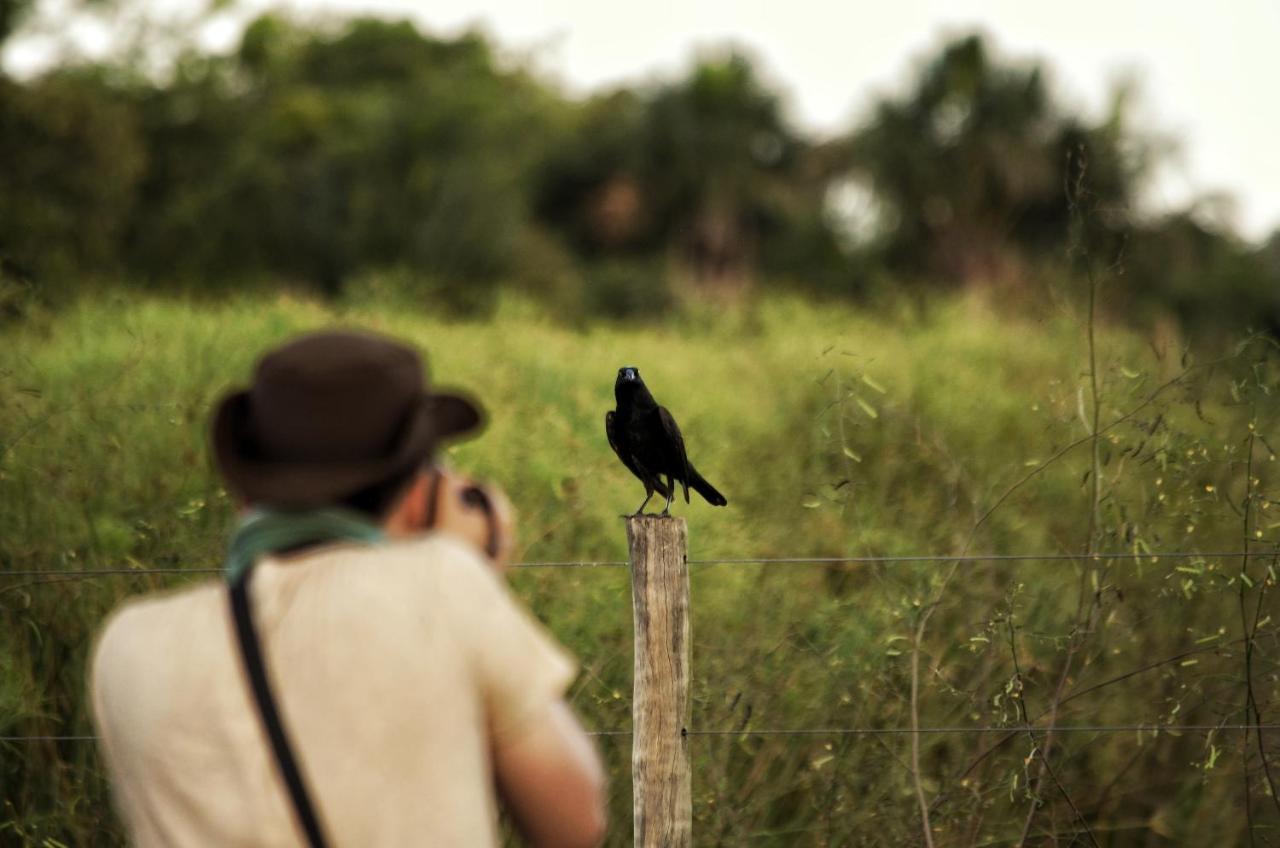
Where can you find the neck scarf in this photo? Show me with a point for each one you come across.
(263, 532)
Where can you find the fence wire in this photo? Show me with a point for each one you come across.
(1152, 556)
(870, 731)
(58, 575)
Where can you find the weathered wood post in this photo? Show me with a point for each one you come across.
(661, 793)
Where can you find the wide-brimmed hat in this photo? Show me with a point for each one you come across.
(329, 414)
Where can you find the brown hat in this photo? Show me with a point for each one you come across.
(329, 414)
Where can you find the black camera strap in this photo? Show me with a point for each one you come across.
(251, 653)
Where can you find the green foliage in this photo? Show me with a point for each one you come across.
(590, 188)
(1205, 277)
(72, 157)
(313, 155)
(971, 165)
(373, 146)
(834, 432)
(627, 290)
(975, 172)
(706, 166)
(716, 146)
(426, 183)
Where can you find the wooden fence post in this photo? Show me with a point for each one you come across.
(661, 792)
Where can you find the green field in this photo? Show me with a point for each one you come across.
(834, 431)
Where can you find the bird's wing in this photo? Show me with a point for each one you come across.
(612, 435)
(675, 443)
(615, 442)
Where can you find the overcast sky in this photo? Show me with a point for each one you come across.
(1207, 72)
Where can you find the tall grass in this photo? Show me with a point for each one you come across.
(833, 432)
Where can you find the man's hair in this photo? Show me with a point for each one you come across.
(377, 500)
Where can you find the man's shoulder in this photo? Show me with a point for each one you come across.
(148, 646)
(433, 556)
(176, 604)
(142, 620)
(439, 547)
(189, 616)
(438, 570)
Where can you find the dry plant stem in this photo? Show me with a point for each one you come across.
(1070, 446)
(946, 581)
(1095, 464)
(849, 473)
(1257, 712)
(1042, 754)
(1248, 637)
(925, 824)
(1084, 620)
(921, 627)
(1252, 713)
(1004, 740)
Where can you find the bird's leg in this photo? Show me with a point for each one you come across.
(648, 494)
(671, 493)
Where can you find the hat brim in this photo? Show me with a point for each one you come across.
(437, 416)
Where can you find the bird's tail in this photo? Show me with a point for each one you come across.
(708, 491)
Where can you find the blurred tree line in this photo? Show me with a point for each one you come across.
(322, 154)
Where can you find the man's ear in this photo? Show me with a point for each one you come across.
(411, 512)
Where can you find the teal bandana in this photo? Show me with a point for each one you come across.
(263, 532)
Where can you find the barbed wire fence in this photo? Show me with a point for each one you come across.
(47, 576)
(1152, 557)
(1036, 729)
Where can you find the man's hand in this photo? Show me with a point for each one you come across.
(479, 513)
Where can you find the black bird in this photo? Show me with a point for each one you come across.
(645, 437)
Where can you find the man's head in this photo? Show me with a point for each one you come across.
(335, 418)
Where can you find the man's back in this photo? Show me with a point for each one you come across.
(397, 667)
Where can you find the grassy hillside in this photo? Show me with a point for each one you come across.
(833, 432)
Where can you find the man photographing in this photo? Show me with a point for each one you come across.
(362, 677)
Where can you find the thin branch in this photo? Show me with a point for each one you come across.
(1042, 754)
(946, 582)
(1251, 709)
(1257, 712)
(1083, 616)
(1244, 627)
(925, 824)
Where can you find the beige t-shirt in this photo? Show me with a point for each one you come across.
(395, 667)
